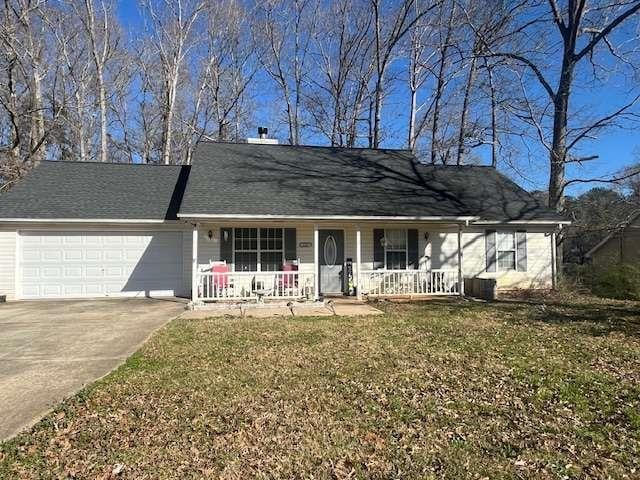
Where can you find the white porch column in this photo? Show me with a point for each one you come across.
(358, 261)
(316, 263)
(554, 264)
(460, 257)
(194, 264)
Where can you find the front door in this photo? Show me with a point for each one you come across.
(331, 245)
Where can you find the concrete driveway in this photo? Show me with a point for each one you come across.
(51, 349)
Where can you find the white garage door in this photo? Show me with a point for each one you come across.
(96, 264)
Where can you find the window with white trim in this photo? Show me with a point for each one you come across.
(506, 250)
(271, 249)
(395, 249)
(258, 249)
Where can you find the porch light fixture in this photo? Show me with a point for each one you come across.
(210, 234)
(225, 235)
(383, 241)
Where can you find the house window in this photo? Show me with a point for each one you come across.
(506, 251)
(271, 250)
(245, 249)
(395, 249)
(258, 249)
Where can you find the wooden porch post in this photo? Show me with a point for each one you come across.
(358, 262)
(316, 263)
(194, 265)
(460, 257)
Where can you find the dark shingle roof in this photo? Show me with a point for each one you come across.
(88, 190)
(252, 179)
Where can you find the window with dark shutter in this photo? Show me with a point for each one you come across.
(378, 248)
(413, 256)
(521, 254)
(490, 247)
(226, 245)
(290, 252)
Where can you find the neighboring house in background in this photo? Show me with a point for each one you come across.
(254, 220)
(620, 246)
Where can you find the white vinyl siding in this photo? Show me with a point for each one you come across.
(539, 271)
(439, 252)
(8, 263)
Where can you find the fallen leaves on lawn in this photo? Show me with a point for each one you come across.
(431, 390)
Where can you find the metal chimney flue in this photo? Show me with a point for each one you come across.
(263, 138)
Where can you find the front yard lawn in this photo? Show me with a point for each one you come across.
(430, 390)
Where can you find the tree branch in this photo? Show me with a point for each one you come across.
(534, 68)
(602, 180)
(607, 30)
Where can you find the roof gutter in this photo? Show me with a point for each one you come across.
(84, 220)
(466, 220)
(205, 216)
(522, 222)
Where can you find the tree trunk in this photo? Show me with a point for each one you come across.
(14, 150)
(37, 119)
(436, 109)
(439, 89)
(377, 105)
(102, 99)
(82, 141)
(412, 120)
(167, 131)
(413, 88)
(494, 122)
(99, 59)
(377, 112)
(559, 143)
(465, 109)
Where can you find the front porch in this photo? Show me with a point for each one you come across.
(266, 263)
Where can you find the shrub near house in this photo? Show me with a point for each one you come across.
(620, 281)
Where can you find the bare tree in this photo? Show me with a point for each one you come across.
(586, 30)
(420, 56)
(76, 85)
(341, 90)
(444, 47)
(287, 28)
(172, 23)
(22, 36)
(99, 30)
(390, 27)
(226, 64)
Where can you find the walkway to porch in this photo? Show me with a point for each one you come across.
(345, 306)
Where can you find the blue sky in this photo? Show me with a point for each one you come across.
(616, 148)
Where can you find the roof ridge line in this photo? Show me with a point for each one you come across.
(114, 163)
(214, 142)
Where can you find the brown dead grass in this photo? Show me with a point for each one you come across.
(432, 390)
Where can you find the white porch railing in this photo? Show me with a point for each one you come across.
(255, 285)
(409, 282)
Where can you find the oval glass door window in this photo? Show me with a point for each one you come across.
(330, 251)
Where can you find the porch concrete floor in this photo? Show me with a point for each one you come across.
(338, 306)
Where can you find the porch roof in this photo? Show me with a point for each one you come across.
(255, 180)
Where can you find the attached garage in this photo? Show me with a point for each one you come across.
(86, 229)
(69, 264)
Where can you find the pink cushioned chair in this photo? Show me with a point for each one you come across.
(220, 276)
(289, 281)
